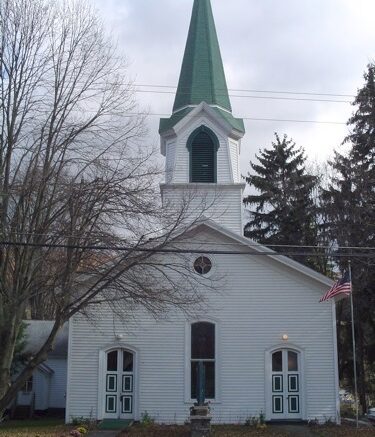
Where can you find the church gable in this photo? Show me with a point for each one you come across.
(213, 237)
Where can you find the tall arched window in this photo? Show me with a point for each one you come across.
(203, 349)
(203, 145)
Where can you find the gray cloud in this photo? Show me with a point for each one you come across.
(289, 45)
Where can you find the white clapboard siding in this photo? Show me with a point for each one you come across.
(41, 384)
(234, 158)
(57, 395)
(221, 204)
(255, 302)
(170, 160)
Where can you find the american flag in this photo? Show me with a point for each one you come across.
(342, 286)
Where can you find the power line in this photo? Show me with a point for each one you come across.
(243, 118)
(250, 242)
(303, 99)
(247, 118)
(180, 251)
(309, 93)
(166, 115)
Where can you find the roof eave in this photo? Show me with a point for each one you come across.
(212, 113)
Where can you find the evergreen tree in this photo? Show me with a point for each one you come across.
(282, 211)
(362, 122)
(350, 204)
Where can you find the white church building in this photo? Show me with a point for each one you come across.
(268, 346)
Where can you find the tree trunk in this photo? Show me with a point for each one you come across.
(8, 338)
(10, 392)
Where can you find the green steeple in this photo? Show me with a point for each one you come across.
(202, 75)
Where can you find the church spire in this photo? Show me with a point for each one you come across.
(202, 75)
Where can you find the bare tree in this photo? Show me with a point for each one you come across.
(323, 261)
(75, 177)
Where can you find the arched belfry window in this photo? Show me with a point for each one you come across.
(203, 145)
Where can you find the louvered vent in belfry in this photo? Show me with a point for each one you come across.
(203, 159)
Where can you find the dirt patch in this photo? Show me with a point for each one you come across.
(184, 431)
(156, 431)
(31, 428)
(342, 431)
(242, 431)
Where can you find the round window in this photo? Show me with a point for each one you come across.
(202, 265)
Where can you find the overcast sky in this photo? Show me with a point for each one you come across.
(301, 46)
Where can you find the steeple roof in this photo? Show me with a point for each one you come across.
(202, 75)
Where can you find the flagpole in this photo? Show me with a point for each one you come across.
(354, 348)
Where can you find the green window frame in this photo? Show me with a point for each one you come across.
(203, 145)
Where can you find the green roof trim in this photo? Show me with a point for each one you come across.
(236, 123)
(169, 123)
(202, 76)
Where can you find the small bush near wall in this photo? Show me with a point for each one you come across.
(347, 410)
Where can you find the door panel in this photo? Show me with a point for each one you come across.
(293, 385)
(277, 383)
(277, 404)
(127, 383)
(127, 404)
(293, 404)
(111, 404)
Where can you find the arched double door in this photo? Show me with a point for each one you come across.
(119, 382)
(285, 388)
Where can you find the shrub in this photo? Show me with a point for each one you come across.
(347, 410)
(256, 421)
(146, 419)
(84, 423)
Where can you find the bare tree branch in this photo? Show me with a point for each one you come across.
(75, 172)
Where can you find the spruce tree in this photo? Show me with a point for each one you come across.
(350, 204)
(282, 210)
(362, 122)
